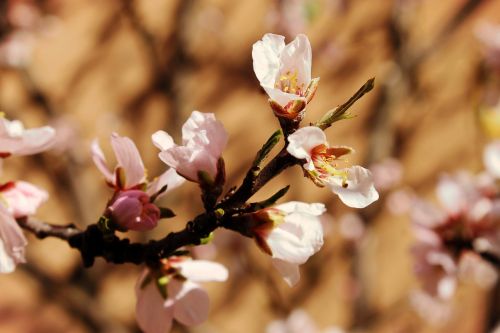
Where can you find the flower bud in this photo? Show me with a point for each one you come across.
(132, 210)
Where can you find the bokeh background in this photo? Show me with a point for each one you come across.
(89, 68)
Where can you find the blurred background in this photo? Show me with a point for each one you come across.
(89, 68)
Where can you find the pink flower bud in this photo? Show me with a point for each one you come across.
(132, 210)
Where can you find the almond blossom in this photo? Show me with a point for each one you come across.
(284, 72)
(16, 140)
(447, 236)
(131, 207)
(353, 185)
(203, 140)
(17, 199)
(491, 158)
(174, 293)
(290, 233)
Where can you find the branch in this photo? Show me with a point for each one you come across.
(93, 243)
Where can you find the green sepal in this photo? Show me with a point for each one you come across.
(161, 284)
(266, 148)
(269, 201)
(208, 239)
(340, 112)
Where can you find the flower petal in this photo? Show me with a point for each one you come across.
(303, 141)
(266, 58)
(162, 140)
(297, 57)
(100, 161)
(202, 270)
(491, 158)
(12, 242)
(23, 198)
(170, 178)
(289, 271)
(359, 192)
(129, 159)
(191, 302)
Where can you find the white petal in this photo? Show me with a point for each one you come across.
(169, 178)
(301, 143)
(315, 208)
(290, 272)
(297, 57)
(266, 58)
(491, 158)
(191, 302)
(359, 192)
(452, 195)
(202, 270)
(281, 97)
(162, 140)
(202, 129)
(129, 159)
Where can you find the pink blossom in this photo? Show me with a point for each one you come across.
(129, 172)
(298, 322)
(22, 198)
(203, 140)
(175, 294)
(353, 185)
(284, 71)
(386, 173)
(446, 237)
(489, 35)
(290, 233)
(16, 140)
(12, 242)
(132, 210)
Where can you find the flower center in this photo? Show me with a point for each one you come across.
(289, 83)
(324, 159)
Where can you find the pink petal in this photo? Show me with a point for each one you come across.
(202, 129)
(191, 302)
(281, 97)
(100, 161)
(12, 242)
(202, 270)
(16, 140)
(152, 312)
(23, 198)
(129, 159)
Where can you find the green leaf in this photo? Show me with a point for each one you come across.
(266, 148)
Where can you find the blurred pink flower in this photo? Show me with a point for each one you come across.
(284, 71)
(22, 198)
(386, 173)
(351, 226)
(175, 294)
(491, 158)
(132, 210)
(353, 185)
(18, 199)
(12, 242)
(16, 140)
(290, 233)
(203, 140)
(447, 237)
